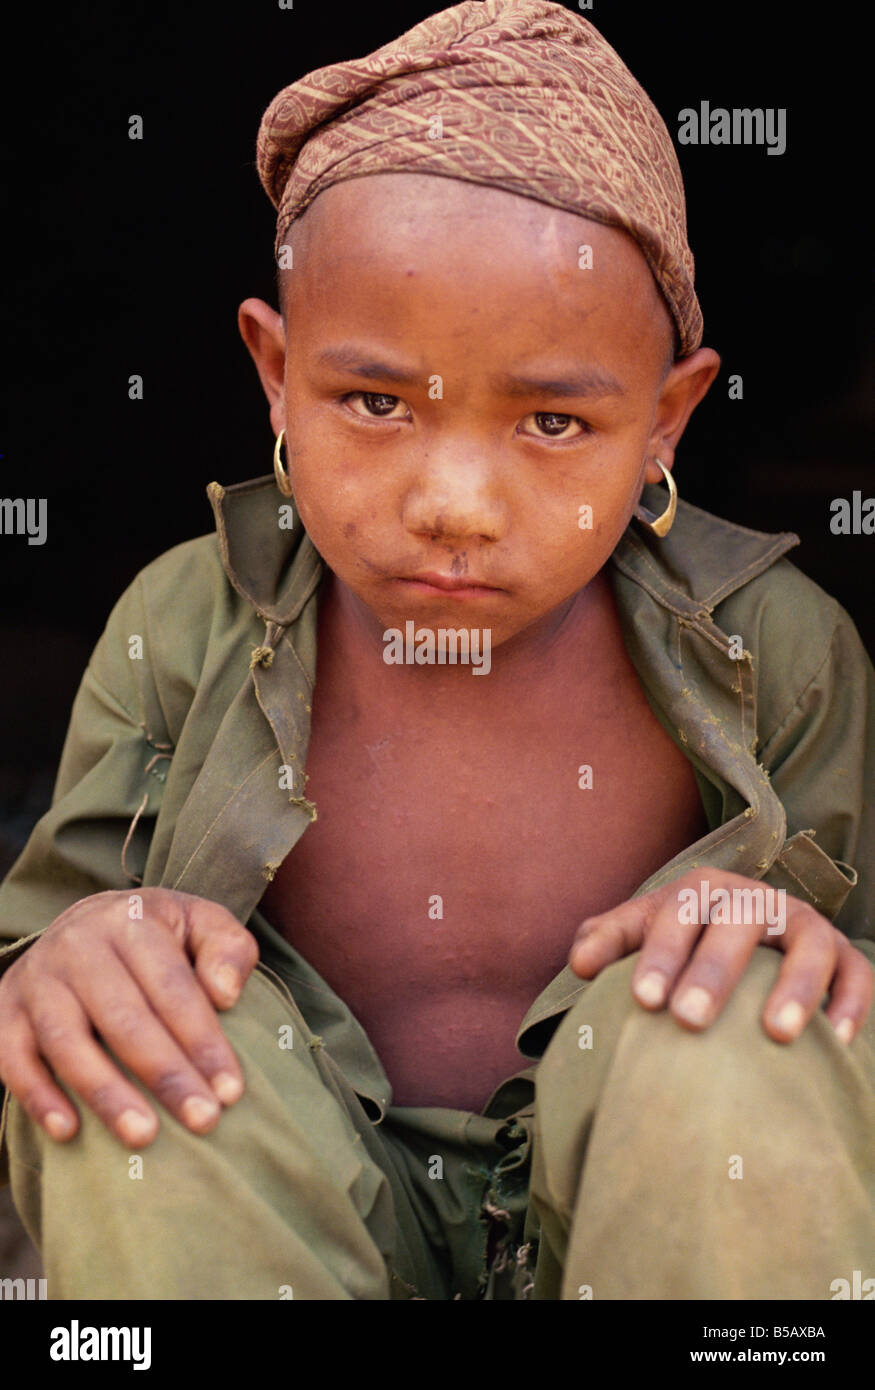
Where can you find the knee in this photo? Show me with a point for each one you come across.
(607, 1030)
(288, 1081)
(285, 1158)
(606, 1020)
(607, 1046)
(651, 1118)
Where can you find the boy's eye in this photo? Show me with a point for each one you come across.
(375, 403)
(553, 426)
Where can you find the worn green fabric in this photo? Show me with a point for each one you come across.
(169, 776)
(653, 1163)
(297, 1193)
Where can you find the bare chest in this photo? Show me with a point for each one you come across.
(440, 887)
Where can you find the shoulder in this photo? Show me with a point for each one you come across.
(188, 578)
(746, 581)
(782, 610)
(179, 622)
(801, 640)
(181, 591)
(799, 637)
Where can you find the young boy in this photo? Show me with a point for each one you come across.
(530, 724)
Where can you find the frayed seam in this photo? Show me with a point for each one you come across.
(135, 878)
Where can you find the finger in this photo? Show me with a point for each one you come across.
(224, 952)
(851, 991)
(26, 1077)
(610, 936)
(122, 1017)
(720, 958)
(670, 940)
(165, 975)
(700, 942)
(62, 1035)
(811, 956)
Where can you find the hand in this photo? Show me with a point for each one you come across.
(133, 983)
(696, 970)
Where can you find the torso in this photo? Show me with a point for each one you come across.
(421, 811)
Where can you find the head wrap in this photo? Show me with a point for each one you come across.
(530, 98)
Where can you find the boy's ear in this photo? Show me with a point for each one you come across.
(686, 384)
(262, 330)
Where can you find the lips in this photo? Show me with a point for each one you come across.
(449, 582)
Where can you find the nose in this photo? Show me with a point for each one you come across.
(456, 495)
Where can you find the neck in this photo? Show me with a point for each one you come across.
(352, 637)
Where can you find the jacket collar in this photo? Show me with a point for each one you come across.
(273, 564)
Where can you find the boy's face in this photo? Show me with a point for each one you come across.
(458, 384)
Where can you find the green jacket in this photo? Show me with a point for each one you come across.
(169, 773)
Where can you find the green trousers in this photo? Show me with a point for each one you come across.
(633, 1160)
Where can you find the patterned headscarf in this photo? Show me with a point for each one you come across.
(522, 95)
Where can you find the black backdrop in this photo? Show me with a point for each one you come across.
(136, 254)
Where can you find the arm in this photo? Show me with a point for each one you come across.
(108, 770)
(74, 956)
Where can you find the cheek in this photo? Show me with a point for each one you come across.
(584, 512)
(336, 502)
(338, 481)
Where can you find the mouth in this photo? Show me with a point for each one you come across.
(436, 583)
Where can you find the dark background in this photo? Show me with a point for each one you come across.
(137, 253)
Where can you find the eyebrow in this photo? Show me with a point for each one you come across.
(592, 381)
(351, 360)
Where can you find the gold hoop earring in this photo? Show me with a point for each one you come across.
(662, 524)
(283, 480)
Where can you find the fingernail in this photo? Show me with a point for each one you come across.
(197, 1111)
(227, 980)
(58, 1126)
(694, 1005)
(227, 1087)
(790, 1019)
(845, 1030)
(651, 988)
(134, 1128)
